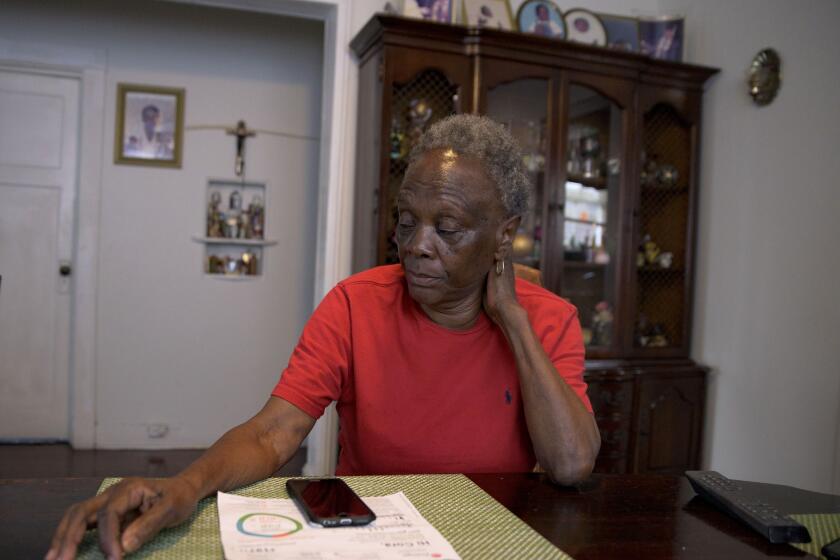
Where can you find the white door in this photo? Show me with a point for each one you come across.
(39, 122)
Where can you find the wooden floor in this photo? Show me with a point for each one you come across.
(60, 460)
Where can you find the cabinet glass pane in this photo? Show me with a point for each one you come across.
(522, 106)
(663, 226)
(415, 106)
(590, 211)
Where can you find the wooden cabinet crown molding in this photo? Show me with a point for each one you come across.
(384, 30)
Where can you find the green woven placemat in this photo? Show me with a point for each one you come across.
(824, 528)
(474, 523)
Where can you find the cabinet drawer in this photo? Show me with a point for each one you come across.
(610, 464)
(615, 435)
(611, 398)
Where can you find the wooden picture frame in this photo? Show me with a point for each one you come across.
(541, 17)
(662, 37)
(149, 126)
(441, 11)
(489, 14)
(622, 32)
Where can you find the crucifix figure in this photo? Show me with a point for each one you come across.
(241, 132)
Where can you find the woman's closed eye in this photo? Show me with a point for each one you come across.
(449, 228)
(405, 221)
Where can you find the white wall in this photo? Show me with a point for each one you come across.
(174, 347)
(767, 308)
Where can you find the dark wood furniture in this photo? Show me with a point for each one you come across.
(611, 143)
(648, 517)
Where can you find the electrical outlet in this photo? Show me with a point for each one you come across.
(157, 431)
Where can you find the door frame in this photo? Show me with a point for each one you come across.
(87, 66)
(336, 169)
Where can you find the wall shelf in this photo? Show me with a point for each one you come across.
(234, 229)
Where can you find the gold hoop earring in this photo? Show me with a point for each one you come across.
(500, 267)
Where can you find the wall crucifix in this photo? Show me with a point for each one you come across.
(241, 132)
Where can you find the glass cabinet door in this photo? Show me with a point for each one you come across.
(426, 98)
(663, 229)
(522, 106)
(594, 146)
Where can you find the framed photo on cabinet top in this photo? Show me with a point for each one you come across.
(583, 26)
(541, 17)
(433, 10)
(662, 37)
(622, 32)
(149, 125)
(490, 14)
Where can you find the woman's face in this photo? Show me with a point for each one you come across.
(447, 230)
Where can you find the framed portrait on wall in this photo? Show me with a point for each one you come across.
(490, 14)
(149, 125)
(541, 17)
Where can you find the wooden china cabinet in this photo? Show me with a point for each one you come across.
(610, 141)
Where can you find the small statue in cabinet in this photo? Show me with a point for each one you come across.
(256, 218)
(232, 216)
(214, 215)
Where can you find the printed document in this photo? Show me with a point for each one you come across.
(255, 528)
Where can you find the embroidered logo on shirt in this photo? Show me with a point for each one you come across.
(508, 396)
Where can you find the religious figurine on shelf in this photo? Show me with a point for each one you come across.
(665, 259)
(650, 335)
(248, 262)
(397, 149)
(419, 114)
(657, 338)
(642, 329)
(256, 214)
(650, 167)
(232, 265)
(667, 176)
(214, 215)
(215, 265)
(602, 321)
(590, 151)
(648, 252)
(231, 224)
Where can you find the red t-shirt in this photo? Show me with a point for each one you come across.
(415, 397)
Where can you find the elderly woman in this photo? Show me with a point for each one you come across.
(443, 363)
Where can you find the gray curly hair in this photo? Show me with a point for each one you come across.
(490, 143)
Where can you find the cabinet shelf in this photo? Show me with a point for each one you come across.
(660, 270)
(654, 190)
(585, 265)
(594, 182)
(234, 241)
(584, 222)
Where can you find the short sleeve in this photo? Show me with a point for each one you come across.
(558, 329)
(320, 363)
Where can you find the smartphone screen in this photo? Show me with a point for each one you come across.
(329, 502)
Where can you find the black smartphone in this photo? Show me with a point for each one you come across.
(329, 502)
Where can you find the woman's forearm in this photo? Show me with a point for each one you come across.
(251, 451)
(565, 436)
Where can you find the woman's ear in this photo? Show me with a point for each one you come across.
(504, 236)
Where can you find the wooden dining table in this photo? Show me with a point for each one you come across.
(610, 516)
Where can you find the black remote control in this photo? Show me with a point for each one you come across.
(747, 506)
(832, 550)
